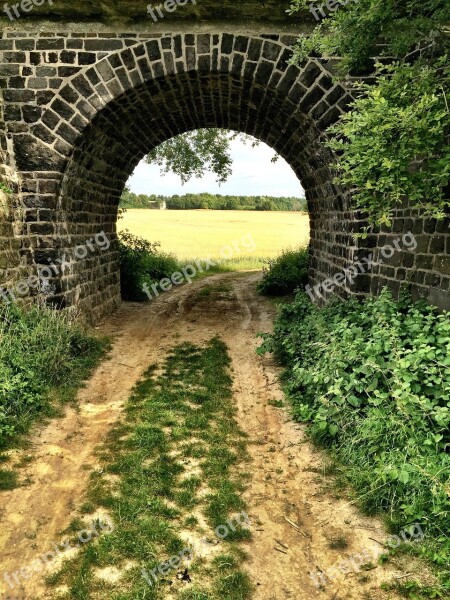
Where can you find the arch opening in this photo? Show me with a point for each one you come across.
(239, 224)
(140, 119)
(94, 130)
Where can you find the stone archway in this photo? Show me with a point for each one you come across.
(76, 131)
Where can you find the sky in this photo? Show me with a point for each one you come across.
(253, 175)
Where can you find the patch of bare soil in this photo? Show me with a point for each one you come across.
(299, 528)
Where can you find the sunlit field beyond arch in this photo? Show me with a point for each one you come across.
(201, 233)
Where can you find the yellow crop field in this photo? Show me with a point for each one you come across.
(200, 233)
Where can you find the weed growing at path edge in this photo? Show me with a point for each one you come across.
(372, 380)
(44, 358)
(170, 474)
(286, 273)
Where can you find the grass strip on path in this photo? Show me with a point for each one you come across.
(171, 478)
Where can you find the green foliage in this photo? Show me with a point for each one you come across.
(132, 200)
(364, 28)
(213, 202)
(194, 153)
(218, 202)
(372, 381)
(286, 273)
(40, 352)
(141, 262)
(4, 188)
(394, 143)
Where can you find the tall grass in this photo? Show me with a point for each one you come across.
(42, 356)
(236, 264)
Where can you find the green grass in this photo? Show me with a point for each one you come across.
(219, 289)
(372, 382)
(176, 461)
(232, 265)
(44, 358)
(338, 543)
(240, 263)
(8, 479)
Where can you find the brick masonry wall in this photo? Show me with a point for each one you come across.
(425, 271)
(80, 110)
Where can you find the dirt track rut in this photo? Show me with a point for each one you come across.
(286, 497)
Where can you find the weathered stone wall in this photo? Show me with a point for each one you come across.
(426, 270)
(82, 109)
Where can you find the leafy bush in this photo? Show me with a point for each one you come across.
(286, 273)
(40, 351)
(141, 262)
(4, 188)
(403, 117)
(372, 381)
(393, 143)
(353, 32)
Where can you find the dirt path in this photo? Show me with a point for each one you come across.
(286, 485)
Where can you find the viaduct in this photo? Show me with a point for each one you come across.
(87, 88)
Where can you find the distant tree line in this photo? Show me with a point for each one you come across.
(131, 200)
(212, 202)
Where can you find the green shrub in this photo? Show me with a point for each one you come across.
(40, 351)
(286, 273)
(372, 381)
(141, 262)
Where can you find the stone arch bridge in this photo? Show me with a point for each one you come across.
(83, 103)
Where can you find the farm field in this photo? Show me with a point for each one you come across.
(198, 233)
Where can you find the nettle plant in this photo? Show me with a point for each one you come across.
(394, 144)
(371, 382)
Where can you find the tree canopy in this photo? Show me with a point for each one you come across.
(195, 153)
(212, 202)
(394, 143)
